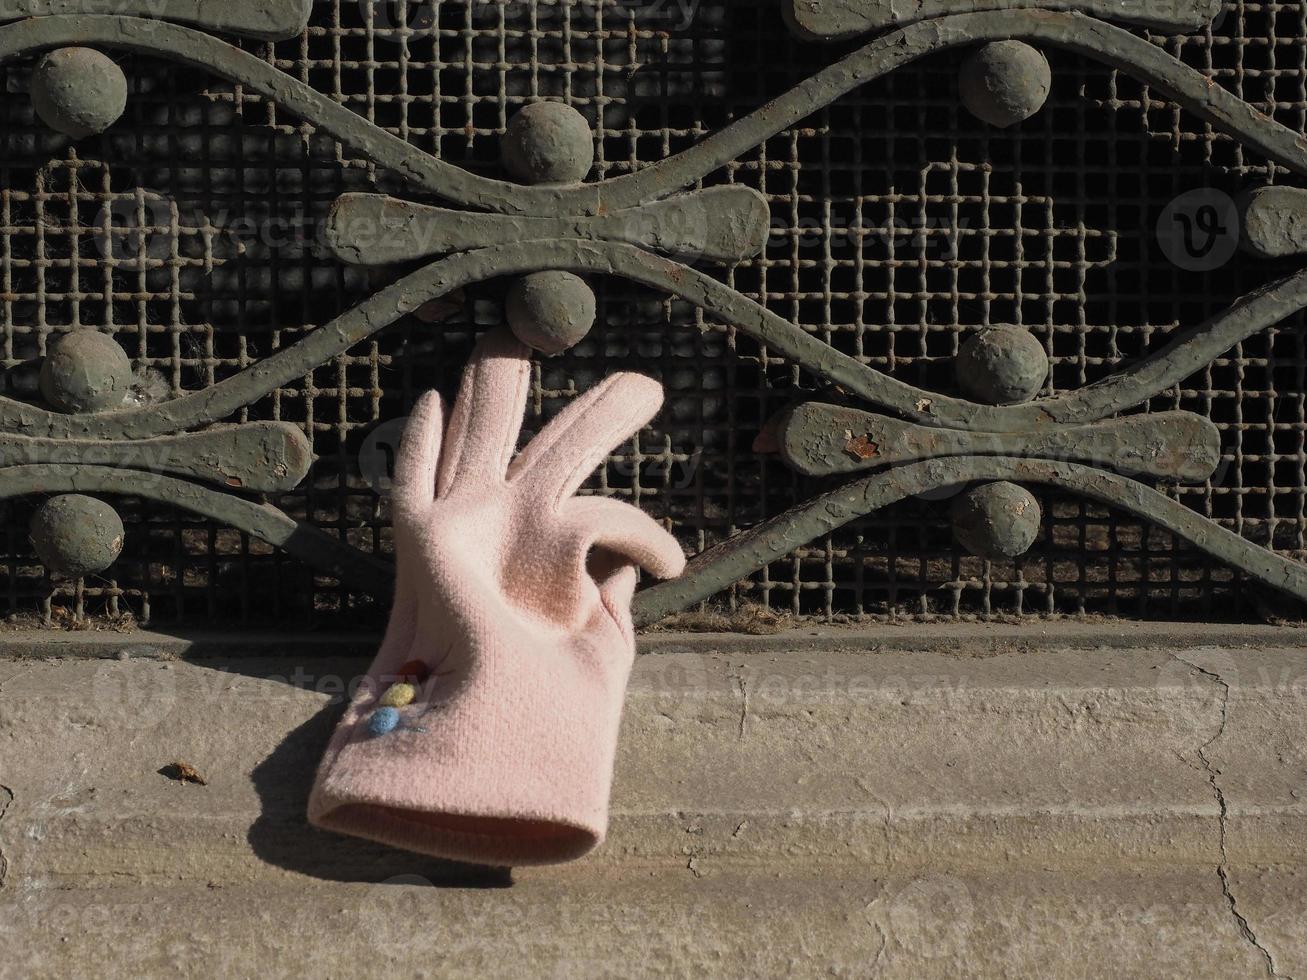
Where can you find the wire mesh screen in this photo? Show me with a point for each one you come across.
(900, 225)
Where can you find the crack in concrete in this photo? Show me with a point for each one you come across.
(1223, 867)
(887, 824)
(738, 677)
(14, 676)
(6, 801)
(880, 952)
(6, 794)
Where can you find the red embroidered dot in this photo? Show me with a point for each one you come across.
(415, 671)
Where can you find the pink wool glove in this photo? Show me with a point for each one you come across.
(485, 729)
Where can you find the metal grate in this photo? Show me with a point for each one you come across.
(900, 225)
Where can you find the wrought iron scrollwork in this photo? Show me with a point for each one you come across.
(648, 227)
(833, 19)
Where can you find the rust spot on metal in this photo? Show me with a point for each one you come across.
(862, 448)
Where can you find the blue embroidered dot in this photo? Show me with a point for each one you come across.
(383, 720)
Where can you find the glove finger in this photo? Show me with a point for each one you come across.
(419, 454)
(486, 421)
(627, 531)
(574, 444)
(616, 581)
(617, 587)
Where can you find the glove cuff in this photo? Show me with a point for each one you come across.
(513, 768)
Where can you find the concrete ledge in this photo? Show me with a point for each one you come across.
(973, 639)
(916, 927)
(1082, 792)
(1063, 759)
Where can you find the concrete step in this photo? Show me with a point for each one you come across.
(591, 924)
